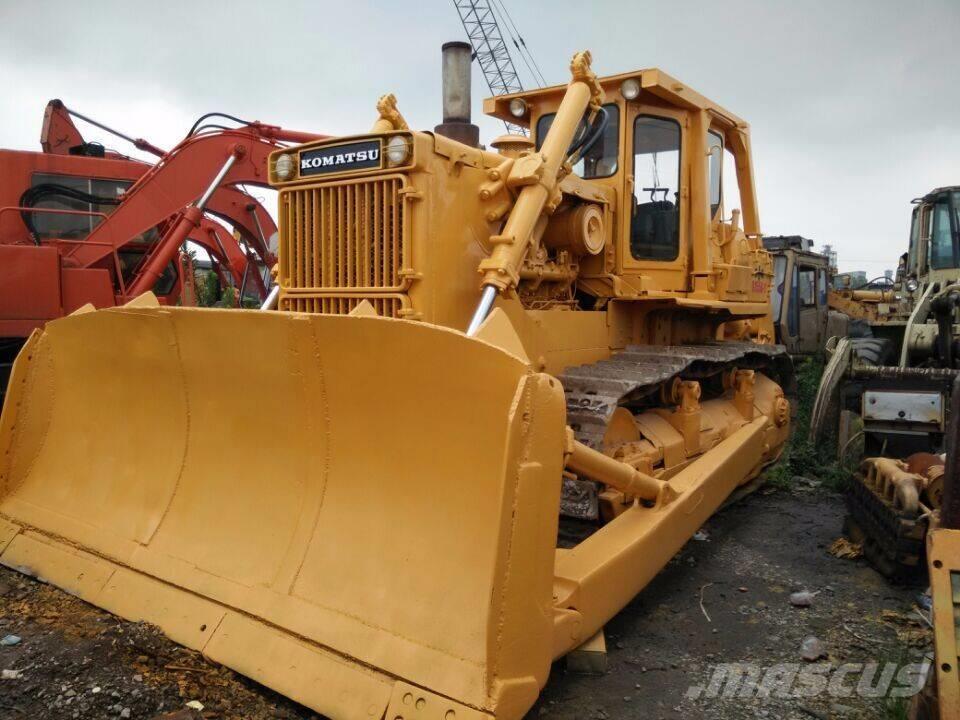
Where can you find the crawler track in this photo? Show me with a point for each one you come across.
(635, 379)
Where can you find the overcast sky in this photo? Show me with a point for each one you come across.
(854, 104)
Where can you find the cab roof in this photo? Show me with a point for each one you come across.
(933, 194)
(652, 80)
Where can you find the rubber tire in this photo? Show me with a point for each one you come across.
(872, 350)
(859, 329)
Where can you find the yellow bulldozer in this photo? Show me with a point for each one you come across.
(468, 344)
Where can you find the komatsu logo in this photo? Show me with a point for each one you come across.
(341, 158)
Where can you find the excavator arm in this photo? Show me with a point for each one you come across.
(225, 249)
(178, 180)
(248, 217)
(167, 189)
(59, 134)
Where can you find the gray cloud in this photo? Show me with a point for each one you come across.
(853, 104)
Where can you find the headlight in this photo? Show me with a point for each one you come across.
(912, 285)
(398, 149)
(518, 107)
(630, 88)
(285, 167)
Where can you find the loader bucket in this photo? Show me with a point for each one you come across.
(358, 512)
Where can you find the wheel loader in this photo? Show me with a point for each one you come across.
(890, 395)
(467, 344)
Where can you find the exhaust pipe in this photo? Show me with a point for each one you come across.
(456, 95)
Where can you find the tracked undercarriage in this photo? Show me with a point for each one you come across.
(892, 539)
(644, 378)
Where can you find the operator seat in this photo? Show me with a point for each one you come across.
(653, 230)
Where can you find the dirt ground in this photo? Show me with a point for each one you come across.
(753, 556)
(78, 662)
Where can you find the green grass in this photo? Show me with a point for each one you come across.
(896, 709)
(801, 457)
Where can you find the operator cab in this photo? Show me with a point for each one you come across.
(934, 253)
(67, 208)
(798, 295)
(653, 128)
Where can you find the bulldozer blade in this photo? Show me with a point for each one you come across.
(358, 512)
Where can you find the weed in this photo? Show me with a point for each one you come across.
(800, 456)
(208, 288)
(896, 709)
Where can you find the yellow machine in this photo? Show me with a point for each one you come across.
(802, 320)
(873, 306)
(940, 699)
(891, 393)
(376, 536)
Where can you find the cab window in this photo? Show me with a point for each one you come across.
(655, 223)
(602, 159)
(69, 226)
(793, 308)
(912, 258)
(822, 285)
(714, 164)
(776, 289)
(942, 253)
(808, 287)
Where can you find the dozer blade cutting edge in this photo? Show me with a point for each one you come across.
(373, 535)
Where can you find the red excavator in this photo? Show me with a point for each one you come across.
(83, 224)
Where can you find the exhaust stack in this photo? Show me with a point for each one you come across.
(456, 95)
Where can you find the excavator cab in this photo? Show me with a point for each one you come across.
(466, 344)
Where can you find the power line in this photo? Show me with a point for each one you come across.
(522, 46)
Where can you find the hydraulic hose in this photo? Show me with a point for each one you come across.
(44, 191)
(594, 133)
(208, 115)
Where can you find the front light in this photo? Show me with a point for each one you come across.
(398, 148)
(518, 107)
(630, 88)
(912, 285)
(285, 167)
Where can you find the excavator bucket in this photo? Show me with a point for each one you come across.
(358, 512)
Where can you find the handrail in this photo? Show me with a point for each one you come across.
(89, 213)
(51, 211)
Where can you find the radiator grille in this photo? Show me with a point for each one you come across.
(348, 235)
(343, 304)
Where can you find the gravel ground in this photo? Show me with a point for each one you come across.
(76, 661)
(754, 555)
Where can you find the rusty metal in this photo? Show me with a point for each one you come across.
(891, 372)
(892, 541)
